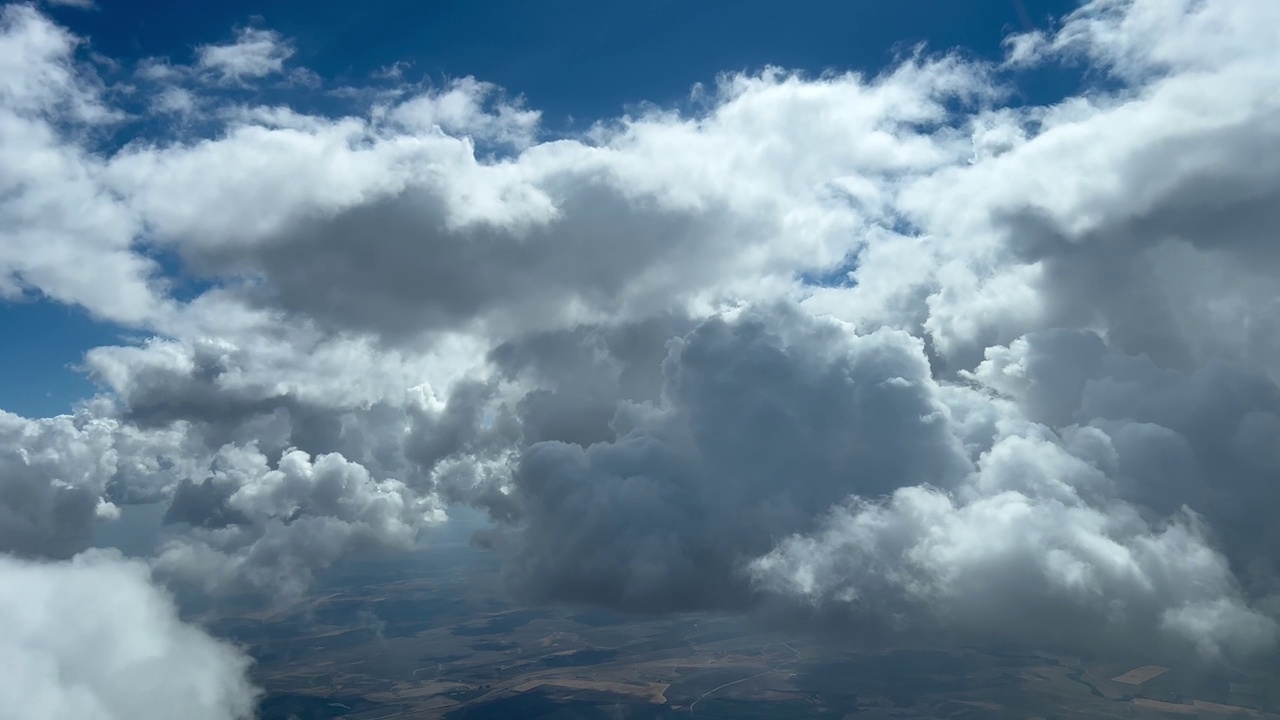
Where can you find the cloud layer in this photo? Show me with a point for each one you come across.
(896, 352)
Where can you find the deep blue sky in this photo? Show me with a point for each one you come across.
(580, 59)
(570, 57)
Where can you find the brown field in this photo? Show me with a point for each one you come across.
(1220, 708)
(435, 649)
(1163, 706)
(1139, 675)
(1195, 707)
(979, 704)
(653, 692)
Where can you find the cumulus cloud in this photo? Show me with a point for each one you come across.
(60, 234)
(409, 229)
(759, 432)
(894, 351)
(466, 106)
(256, 53)
(1205, 439)
(1023, 554)
(92, 637)
(1112, 211)
(269, 527)
(62, 475)
(55, 475)
(81, 4)
(794, 456)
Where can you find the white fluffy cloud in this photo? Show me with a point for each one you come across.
(93, 638)
(256, 53)
(61, 233)
(270, 527)
(82, 4)
(1022, 553)
(1115, 211)
(1037, 403)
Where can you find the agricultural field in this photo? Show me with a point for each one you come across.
(439, 641)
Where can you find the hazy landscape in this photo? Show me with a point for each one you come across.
(439, 642)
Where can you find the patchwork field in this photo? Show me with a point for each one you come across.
(434, 643)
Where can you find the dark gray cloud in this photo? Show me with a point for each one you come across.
(1205, 440)
(791, 460)
(579, 375)
(202, 504)
(399, 267)
(1200, 228)
(40, 518)
(470, 425)
(55, 474)
(764, 423)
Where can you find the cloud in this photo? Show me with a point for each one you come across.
(1037, 404)
(1047, 572)
(1113, 211)
(256, 53)
(55, 475)
(572, 380)
(764, 424)
(60, 234)
(631, 221)
(267, 527)
(92, 637)
(260, 493)
(1203, 439)
(467, 107)
(905, 508)
(80, 4)
(63, 475)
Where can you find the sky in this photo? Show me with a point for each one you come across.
(771, 312)
(576, 62)
(571, 58)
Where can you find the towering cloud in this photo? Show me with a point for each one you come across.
(763, 426)
(796, 457)
(896, 352)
